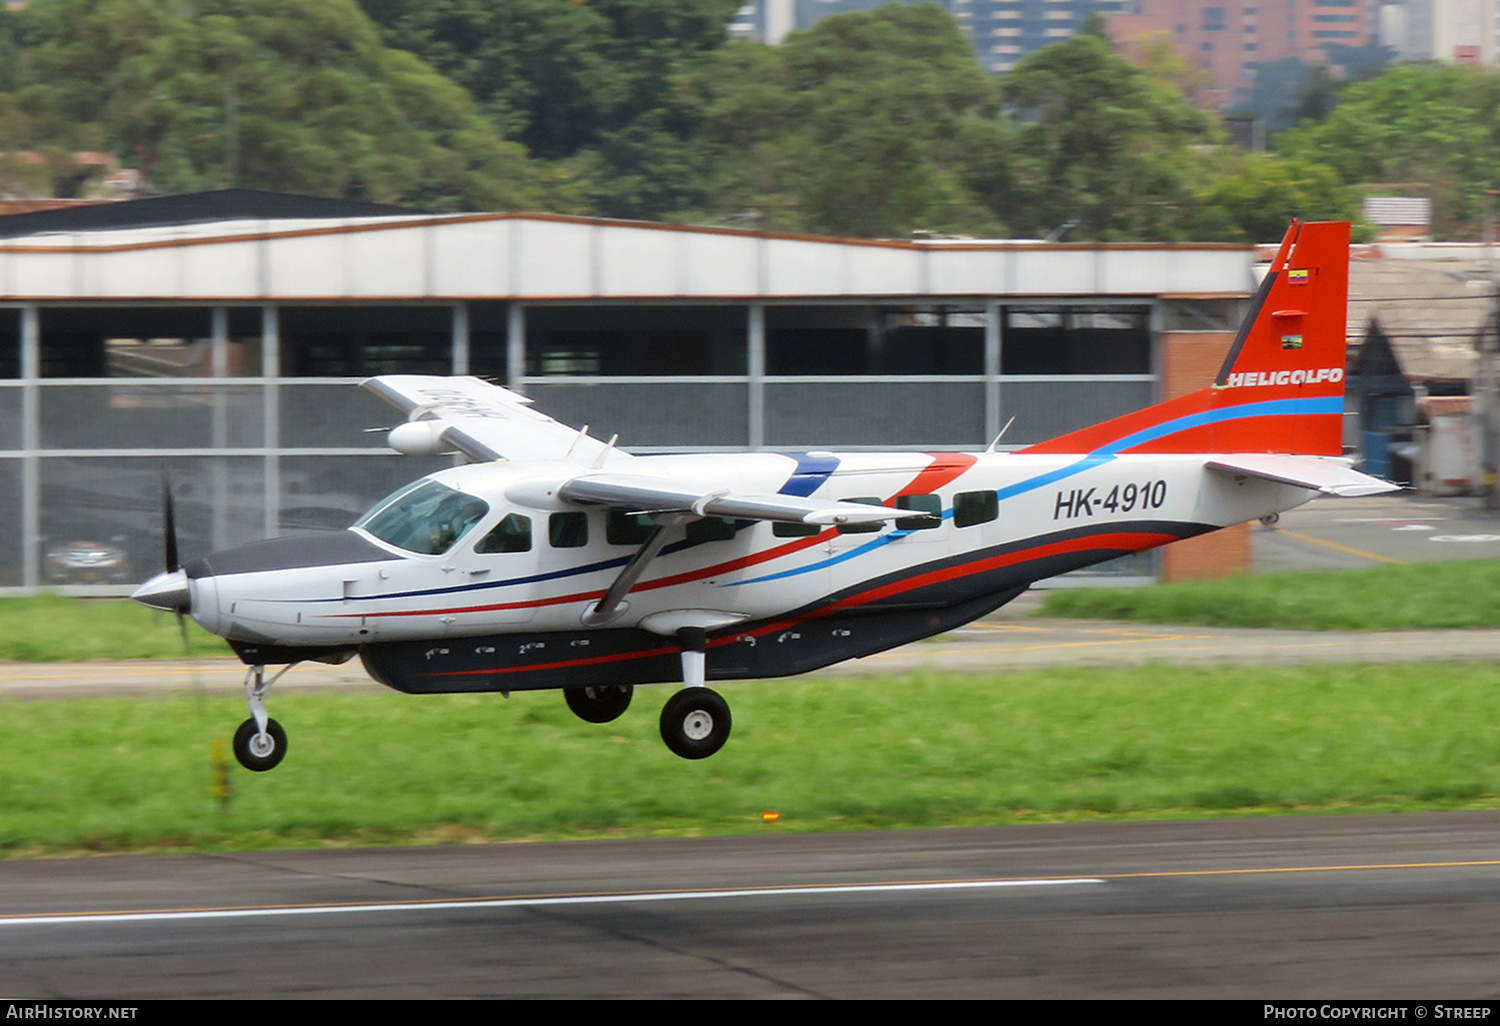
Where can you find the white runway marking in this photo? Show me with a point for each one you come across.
(542, 901)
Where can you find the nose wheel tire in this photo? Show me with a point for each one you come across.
(695, 723)
(599, 704)
(260, 752)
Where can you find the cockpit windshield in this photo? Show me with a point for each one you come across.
(424, 517)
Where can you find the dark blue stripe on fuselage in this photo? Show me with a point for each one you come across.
(813, 469)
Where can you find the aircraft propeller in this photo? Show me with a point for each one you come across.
(168, 590)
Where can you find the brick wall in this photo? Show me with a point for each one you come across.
(1189, 361)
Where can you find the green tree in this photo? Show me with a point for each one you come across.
(292, 95)
(858, 126)
(558, 75)
(1432, 129)
(1257, 198)
(1102, 143)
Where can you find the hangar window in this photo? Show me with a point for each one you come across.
(645, 341)
(512, 534)
(129, 342)
(1076, 340)
(10, 344)
(834, 340)
(360, 341)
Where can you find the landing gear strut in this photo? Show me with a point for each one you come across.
(260, 743)
(695, 722)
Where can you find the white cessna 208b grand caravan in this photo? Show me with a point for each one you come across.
(558, 561)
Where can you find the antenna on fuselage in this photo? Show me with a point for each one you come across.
(608, 447)
(582, 434)
(1001, 435)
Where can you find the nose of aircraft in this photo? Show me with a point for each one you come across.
(167, 591)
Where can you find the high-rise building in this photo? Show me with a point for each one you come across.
(1231, 39)
(1462, 31)
(1002, 31)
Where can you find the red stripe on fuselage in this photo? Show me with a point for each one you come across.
(1131, 541)
(944, 469)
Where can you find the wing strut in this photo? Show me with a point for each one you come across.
(610, 605)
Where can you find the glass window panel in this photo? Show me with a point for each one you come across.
(126, 342)
(328, 493)
(635, 340)
(690, 415)
(621, 528)
(932, 512)
(868, 500)
(316, 416)
(970, 508)
(218, 502)
(361, 341)
(898, 414)
(568, 530)
(511, 534)
(711, 529)
(1076, 340)
(198, 415)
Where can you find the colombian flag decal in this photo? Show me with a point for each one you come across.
(1295, 277)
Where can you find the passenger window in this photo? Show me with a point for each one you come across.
(930, 506)
(780, 530)
(568, 530)
(711, 529)
(970, 508)
(513, 534)
(868, 500)
(622, 528)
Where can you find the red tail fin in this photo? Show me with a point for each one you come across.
(1281, 388)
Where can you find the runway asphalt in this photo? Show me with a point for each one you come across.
(1402, 908)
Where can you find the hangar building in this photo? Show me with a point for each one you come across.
(219, 338)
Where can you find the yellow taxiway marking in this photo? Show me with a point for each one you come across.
(1342, 548)
(626, 897)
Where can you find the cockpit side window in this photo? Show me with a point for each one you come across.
(512, 534)
(425, 517)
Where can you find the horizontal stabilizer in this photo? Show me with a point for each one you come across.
(642, 494)
(1326, 476)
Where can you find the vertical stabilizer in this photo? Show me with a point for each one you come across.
(1281, 388)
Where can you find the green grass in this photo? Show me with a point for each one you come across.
(827, 754)
(55, 628)
(1412, 597)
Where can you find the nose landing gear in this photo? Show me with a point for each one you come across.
(260, 742)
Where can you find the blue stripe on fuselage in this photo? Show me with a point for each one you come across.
(1104, 454)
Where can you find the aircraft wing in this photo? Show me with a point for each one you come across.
(1326, 476)
(643, 494)
(482, 421)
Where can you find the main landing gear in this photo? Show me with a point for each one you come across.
(599, 704)
(695, 721)
(260, 743)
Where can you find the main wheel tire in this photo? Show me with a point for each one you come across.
(260, 752)
(695, 723)
(599, 704)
